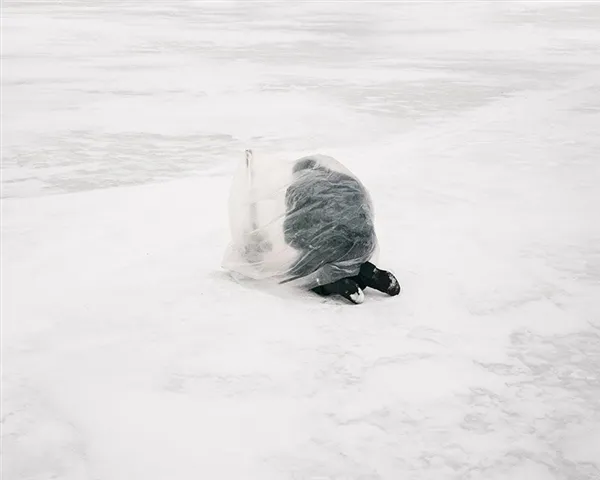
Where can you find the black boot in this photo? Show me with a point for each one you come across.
(345, 287)
(380, 280)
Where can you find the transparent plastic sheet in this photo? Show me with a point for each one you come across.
(307, 222)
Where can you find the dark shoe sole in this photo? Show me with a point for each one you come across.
(346, 288)
(379, 280)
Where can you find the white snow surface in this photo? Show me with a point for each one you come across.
(128, 353)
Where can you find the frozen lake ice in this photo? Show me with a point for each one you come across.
(127, 353)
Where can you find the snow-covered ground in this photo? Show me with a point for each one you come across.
(129, 354)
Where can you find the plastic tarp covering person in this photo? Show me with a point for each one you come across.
(307, 222)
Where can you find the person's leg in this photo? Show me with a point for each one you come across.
(321, 290)
(360, 282)
(371, 276)
(345, 287)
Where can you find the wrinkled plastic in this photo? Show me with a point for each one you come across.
(307, 222)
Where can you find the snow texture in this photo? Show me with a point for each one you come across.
(306, 223)
(129, 353)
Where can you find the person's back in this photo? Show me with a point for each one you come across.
(329, 219)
